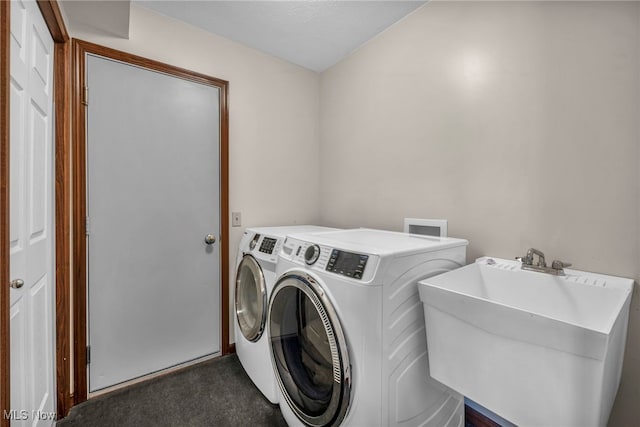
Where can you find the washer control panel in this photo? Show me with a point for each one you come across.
(348, 264)
(312, 254)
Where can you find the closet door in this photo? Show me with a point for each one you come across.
(153, 203)
(31, 218)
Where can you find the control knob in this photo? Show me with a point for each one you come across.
(312, 254)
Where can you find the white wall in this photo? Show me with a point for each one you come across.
(516, 121)
(273, 118)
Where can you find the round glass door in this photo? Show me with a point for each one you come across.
(309, 351)
(251, 298)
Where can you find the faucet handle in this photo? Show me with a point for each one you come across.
(559, 265)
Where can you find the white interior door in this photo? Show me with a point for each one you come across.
(152, 197)
(31, 217)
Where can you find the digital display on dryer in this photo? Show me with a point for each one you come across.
(347, 263)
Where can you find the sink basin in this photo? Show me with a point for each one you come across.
(537, 349)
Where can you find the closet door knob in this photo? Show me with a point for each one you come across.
(209, 239)
(16, 284)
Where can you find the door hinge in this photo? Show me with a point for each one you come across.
(88, 354)
(85, 95)
(87, 226)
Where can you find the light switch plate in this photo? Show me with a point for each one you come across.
(236, 219)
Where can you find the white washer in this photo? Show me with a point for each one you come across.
(347, 333)
(255, 277)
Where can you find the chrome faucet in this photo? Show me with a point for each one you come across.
(529, 257)
(557, 267)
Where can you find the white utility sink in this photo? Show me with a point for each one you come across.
(537, 349)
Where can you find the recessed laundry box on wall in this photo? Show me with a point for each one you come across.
(427, 227)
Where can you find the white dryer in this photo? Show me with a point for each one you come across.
(347, 332)
(255, 277)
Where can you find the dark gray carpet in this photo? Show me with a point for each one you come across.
(214, 393)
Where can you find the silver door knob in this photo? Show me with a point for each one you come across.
(16, 284)
(209, 239)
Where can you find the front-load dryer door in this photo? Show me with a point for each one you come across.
(309, 351)
(251, 298)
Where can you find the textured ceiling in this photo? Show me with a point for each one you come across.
(314, 34)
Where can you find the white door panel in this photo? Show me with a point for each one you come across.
(41, 361)
(31, 217)
(19, 98)
(153, 195)
(19, 40)
(17, 213)
(38, 153)
(19, 372)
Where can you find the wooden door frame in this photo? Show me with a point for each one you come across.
(80, 51)
(61, 75)
(5, 372)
